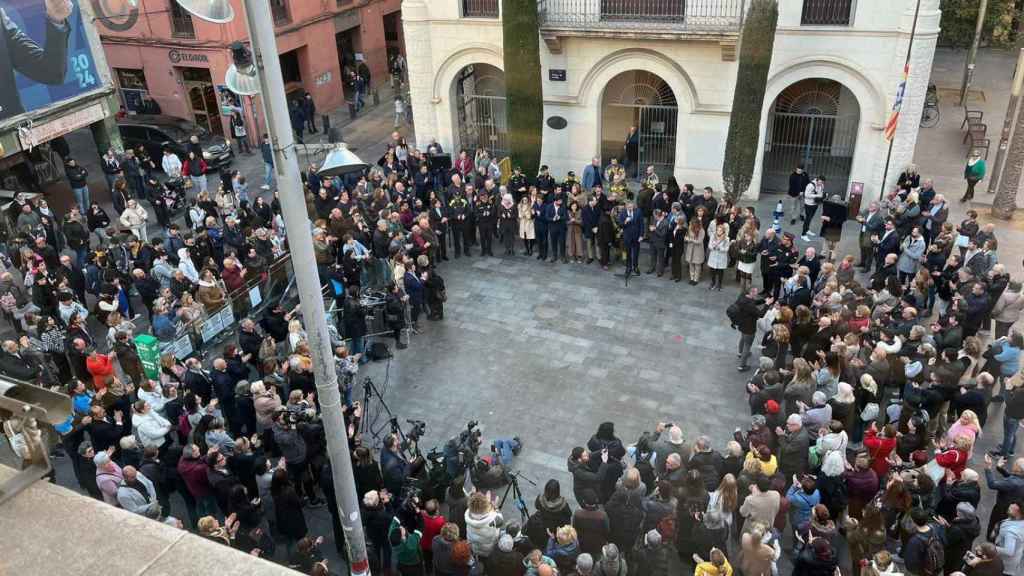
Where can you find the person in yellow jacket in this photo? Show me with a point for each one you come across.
(717, 565)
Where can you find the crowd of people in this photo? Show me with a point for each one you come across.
(865, 405)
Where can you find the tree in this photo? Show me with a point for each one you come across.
(959, 18)
(524, 99)
(741, 147)
(1005, 201)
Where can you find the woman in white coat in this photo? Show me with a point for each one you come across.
(910, 257)
(134, 218)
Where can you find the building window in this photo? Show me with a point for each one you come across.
(181, 22)
(131, 83)
(290, 71)
(279, 8)
(480, 8)
(827, 12)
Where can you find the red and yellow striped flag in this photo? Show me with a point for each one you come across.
(894, 117)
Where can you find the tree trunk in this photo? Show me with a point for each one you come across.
(1005, 201)
(523, 83)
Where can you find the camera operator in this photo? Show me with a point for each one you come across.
(393, 464)
(292, 445)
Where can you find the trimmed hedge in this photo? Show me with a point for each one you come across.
(523, 89)
(756, 44)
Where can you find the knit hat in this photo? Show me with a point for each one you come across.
(758, 420)
(506, 543)
(966, 510)
(913, 369)
(654, 538)
(771, 407)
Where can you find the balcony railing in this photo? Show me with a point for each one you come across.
(479, 8)
(827, 12)
(662, 15)
(279, 9)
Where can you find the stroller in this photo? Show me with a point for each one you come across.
(168, 199)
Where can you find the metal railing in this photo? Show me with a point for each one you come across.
(827, 12)
(479, 8)
(181, 26)
(672, 15)
(204, 332)
(279, 9)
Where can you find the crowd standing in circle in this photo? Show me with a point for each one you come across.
(872, 385)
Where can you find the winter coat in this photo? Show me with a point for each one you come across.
(550, 515)
(482, 531)
(718, 253)
(625, 516)
(793, 452)
(910, 258)
(151, 428)
(960, 534)
(1008, 307)
(133, 501)
(652, 560)
(694, 247)
(592, 528)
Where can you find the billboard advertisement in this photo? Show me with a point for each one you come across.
(45, 56)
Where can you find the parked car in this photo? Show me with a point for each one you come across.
(156, 132)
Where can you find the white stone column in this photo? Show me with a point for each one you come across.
(416, 26)
(922, 54)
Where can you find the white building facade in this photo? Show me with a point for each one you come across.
(668, 68)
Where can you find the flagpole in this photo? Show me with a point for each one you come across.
(906, 67)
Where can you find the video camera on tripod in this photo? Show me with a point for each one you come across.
(461, 451)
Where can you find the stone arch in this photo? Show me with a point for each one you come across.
(591, 90)
(869, 96)
(476, 53)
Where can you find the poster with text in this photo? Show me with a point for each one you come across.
(45, 56)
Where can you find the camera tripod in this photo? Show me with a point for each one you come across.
(517, 495)
(369, 391)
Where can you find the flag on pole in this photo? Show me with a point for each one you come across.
(894, 117)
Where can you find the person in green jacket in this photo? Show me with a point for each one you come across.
(405, 546)
(974, 172)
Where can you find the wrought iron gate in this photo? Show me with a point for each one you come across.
(823, 143)
(656, 126)
(482, 124)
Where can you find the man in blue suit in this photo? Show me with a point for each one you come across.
(20, 53)
(556, 216)
(632, 223)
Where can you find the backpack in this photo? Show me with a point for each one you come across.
(184, 427)
(733, 312)
(934, 556)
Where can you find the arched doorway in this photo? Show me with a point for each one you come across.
(642, 99)
(479, 100)
(812, 122)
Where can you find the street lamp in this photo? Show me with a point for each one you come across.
(241, 77)
(265, 67)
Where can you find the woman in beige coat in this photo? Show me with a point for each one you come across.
(577, 250)
(526, 231)
(695, 249)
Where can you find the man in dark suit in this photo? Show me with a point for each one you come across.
(557, 218)
(887, 243)
(102, 431)
(632, 223)
(659, 242)
(20, 53)
(872, 223)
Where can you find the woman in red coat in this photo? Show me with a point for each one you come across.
(879, 447)
(100, 366)
(955, 457)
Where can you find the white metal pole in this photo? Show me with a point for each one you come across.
(300, 242)
(973, 52)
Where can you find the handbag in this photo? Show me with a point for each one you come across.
(870, 412)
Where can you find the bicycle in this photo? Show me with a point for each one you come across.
(930, 112)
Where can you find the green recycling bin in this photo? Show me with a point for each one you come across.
(149, 353)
